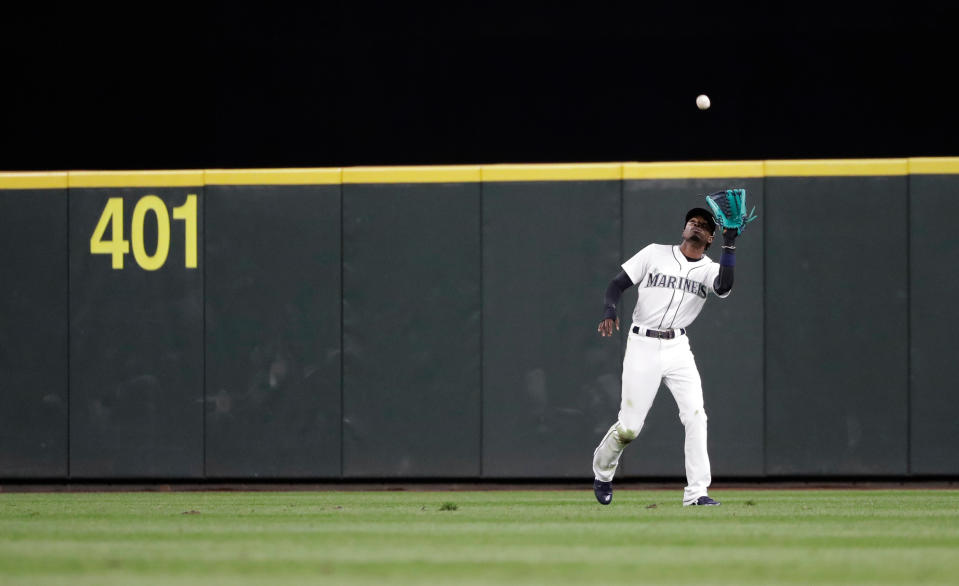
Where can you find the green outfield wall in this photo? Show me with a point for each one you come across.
(440, 322)
(34, 299)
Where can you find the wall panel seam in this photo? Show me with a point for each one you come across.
(204, 339)
(69, 414)
(623, 255)
(342, 347)
(482, 321)
(765, 346)
(908, 327)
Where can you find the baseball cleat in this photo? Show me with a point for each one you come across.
(603, 491)
(703, 501)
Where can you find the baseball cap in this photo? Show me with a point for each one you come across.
(703, 213)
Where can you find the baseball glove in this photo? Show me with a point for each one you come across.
(729, 208)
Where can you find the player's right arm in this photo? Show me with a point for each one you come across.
(615, 290)
(633, 272)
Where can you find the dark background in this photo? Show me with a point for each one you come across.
(244, 84)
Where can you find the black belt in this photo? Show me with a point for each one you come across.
(665, 335)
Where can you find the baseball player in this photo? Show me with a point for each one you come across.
(673, 283)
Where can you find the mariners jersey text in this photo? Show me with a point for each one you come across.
(679, 283)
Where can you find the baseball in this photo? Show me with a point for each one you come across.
(702, 102)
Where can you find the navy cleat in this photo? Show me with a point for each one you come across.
(703, 501)
(604, 491)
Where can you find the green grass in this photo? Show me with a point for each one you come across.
(494, 537)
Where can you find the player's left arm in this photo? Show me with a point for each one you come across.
(723, 283)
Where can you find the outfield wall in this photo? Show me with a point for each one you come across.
(440, 322)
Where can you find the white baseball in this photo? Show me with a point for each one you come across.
(702, 102)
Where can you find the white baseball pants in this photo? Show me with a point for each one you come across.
(648, 362)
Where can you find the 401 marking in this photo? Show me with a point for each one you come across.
(117, 247)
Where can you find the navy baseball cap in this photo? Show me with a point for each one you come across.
(702, 213)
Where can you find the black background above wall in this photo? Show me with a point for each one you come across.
(246, 84)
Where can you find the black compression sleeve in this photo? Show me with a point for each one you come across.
(615, 290)
(724, 281)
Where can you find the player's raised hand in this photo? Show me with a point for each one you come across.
(606, 327)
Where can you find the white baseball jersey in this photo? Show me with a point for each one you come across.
(672, 290)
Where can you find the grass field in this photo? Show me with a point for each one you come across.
(487, 537)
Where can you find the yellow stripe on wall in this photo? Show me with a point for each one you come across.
(135, 178)
(554, 172)
(836, 167)
(475, 173)
(273, 176)
(29, 180)
(934, 165)
(693, 170)
(425, 174)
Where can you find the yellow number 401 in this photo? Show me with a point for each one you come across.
(116, 246)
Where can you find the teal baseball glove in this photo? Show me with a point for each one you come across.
(729, 207)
